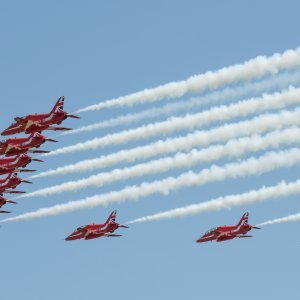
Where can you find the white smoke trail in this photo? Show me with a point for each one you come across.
(280, 82)
(265, 163)
(189, 122)
(234, 148)
(289, 218)
(253, 69)
(280, 190)
(258, 124)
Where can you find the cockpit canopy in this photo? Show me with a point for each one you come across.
(211, 230)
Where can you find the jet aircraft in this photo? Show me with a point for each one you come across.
(93, 231)
(3, 201)
(224, 233)
(17, 146)
(10, 182)
(39, 122)
(15, 164)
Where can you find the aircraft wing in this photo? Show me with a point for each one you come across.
(11, 147)
(223, 234)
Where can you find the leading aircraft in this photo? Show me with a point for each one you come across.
(40, 122)
(224, 233)
(93, 231)
(3, 201)
(10, 182)
(15, 146)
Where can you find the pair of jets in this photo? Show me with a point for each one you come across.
(219, 234)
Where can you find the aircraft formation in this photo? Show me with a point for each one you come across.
(15, 159)
(15, 150)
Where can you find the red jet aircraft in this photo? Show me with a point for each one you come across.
(10, 182)
(93, 231)
(17, 146)
(40, 122)
(224, 233)
(14, 163)
(3, 201)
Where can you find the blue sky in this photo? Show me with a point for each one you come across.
(95, 50)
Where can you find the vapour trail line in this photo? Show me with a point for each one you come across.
(252, 69)
(190, 121)
(280, 190)
(289, 218)
(266, 163)
(260, 124)
(281, 81)
(234, 148)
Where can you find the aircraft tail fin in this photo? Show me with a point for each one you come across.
(59, 105)
(111, 218)
(244, 219)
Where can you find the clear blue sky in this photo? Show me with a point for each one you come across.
(95, 50)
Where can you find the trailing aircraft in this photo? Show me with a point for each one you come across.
(93, 231)
(3, 201)
(224, 233)
(15, 146)
(15, 164)
(11, 182)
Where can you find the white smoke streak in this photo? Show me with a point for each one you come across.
(282, 189)
(289, 218)
(265, 163)
(189, 122)
(234, 148)
(258, 124)
(280, 82)
(253, 69)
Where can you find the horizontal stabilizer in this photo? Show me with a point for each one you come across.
(38, 151)
(55, 128)
(255, 227)
(36, 159)
(123, 226)
(13, 192)
(245, 236)
(4, 212)
(11, 201)
(73, 116)
(113, 235)
(51, 140)
(26, 170)
(26, 181)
